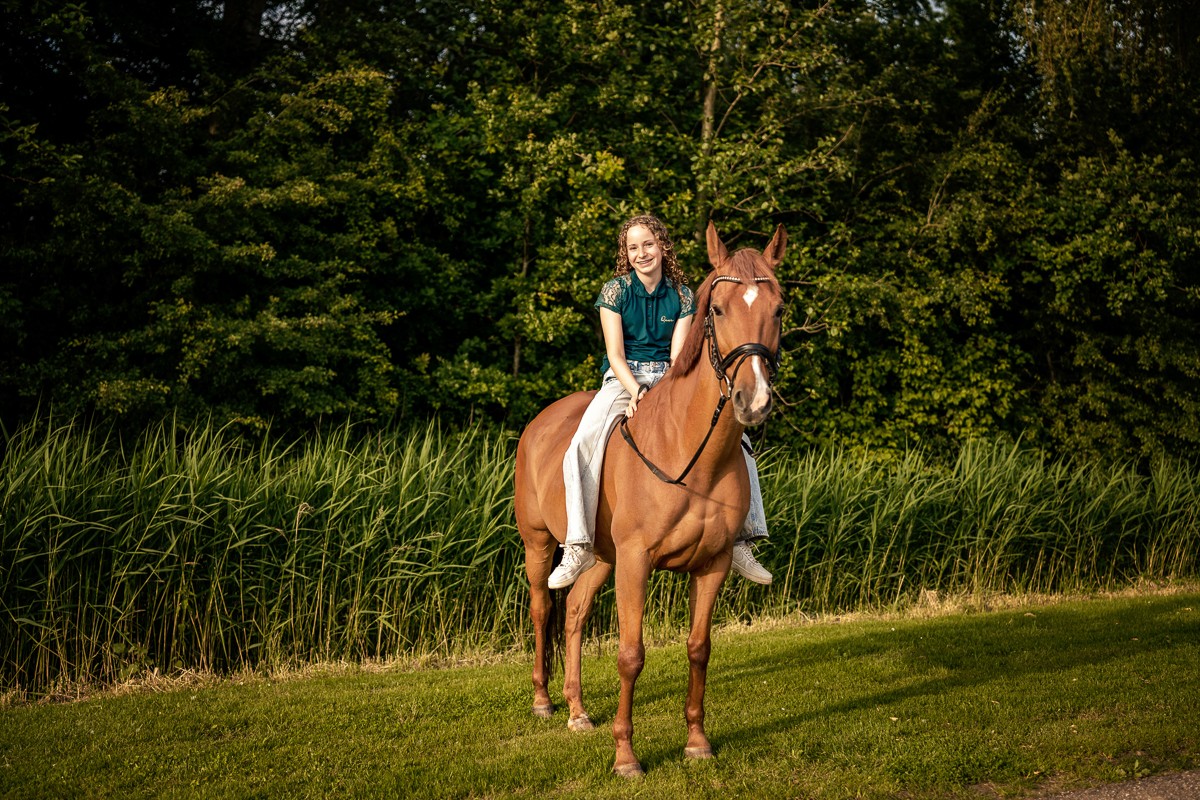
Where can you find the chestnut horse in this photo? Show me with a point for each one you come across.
(644, 522)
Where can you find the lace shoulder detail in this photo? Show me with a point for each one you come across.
(687, 302)
(612, 294)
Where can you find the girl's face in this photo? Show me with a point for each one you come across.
(645, 256)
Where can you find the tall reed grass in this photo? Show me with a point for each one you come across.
(192, 548)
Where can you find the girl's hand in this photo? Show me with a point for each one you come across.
(633, 401)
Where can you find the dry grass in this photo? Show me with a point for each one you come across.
(930, 605)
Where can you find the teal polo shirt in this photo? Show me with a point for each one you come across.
(647, 318)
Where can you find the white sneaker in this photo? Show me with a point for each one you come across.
(576, 560)
(746, 565)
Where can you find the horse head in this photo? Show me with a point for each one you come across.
(742, 308)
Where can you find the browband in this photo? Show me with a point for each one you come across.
(735, 279)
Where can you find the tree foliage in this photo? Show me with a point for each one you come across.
(301, 211)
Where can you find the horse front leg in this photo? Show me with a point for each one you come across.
(702, 599)
(579, 608)
(633, 571)
(538, 563)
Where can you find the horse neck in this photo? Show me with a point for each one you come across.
(680, 411)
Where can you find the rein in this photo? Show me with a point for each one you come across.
(720, 364)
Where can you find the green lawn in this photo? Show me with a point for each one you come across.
(1005, 703)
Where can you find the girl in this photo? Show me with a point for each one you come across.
(646, 312)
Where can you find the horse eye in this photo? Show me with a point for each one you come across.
(717, 311)
(779, 312)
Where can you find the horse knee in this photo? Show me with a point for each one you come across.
(630, 661)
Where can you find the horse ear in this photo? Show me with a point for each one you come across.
(775, 248)
(717, 254)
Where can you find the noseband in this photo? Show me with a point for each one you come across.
(721, 365)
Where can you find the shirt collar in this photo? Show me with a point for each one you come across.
(639, 289)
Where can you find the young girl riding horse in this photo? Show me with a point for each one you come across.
(646, 312)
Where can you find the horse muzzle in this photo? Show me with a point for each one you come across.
(752, 399)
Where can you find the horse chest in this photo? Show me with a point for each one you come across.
(679, 535)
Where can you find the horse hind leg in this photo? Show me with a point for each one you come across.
(539, 560)
(579, 608)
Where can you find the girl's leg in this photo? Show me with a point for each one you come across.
(582, 465)
(584, 460)
(755, 527)
(756, 520)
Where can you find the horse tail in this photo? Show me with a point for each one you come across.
(556, 623)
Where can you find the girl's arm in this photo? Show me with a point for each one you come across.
(614, 346)
(679, 335)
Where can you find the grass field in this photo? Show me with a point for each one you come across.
(191, 548)
(1014, 701)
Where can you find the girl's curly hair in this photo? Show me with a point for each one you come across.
(670, 264)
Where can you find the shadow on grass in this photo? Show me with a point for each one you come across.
(939, 656)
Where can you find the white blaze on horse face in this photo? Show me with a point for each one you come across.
(762, 387)
(750, 296)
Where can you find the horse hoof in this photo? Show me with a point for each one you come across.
(545, 712)
(633, 770)
(698, 752)
(581, 723)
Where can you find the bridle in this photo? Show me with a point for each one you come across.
(721, 364)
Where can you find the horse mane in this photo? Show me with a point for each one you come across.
(743, 265)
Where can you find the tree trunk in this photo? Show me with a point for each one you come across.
(708, 122)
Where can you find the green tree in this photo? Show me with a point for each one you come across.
(1110, 285)
(307, 210)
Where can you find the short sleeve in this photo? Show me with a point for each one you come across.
(612, 295)
(687, 302)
